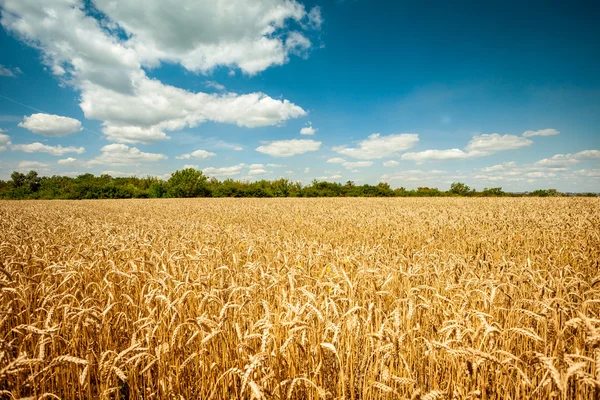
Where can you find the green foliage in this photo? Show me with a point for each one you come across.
(193, 183)
(188, 182)
(459, 189)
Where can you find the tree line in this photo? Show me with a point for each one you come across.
(193, 183)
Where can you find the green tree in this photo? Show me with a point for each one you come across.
(459, 189)
(188, 182)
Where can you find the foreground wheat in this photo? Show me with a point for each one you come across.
(300, 299)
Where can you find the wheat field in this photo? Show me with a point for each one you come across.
(451, 298)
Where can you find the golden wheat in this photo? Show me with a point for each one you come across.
(300, 299)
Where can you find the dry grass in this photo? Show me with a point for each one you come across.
(300, 299)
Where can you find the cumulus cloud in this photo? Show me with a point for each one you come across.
(51, 125)
(91, 54)
(122, 154)
(258, 171)
(390, 163)
(566, 160)
(4, 142)
(288, 148)
(357, 164)
(478, 146)
(308, 130)
(192, 166)
(224, 171)
(198, 155)
(436, 155)
(336, 160)
(491, 143)
(133, 134)
(376, 146)
(31, 165)
(541, 132)
(38, 147)
(66, 161)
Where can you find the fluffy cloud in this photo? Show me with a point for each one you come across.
(478, 146)
(377, 146)
(288, 148)
(436, 155)
(133, 134)
(91, 54)
(38, 147)
(566, 160)
(198, 155)
(192, 166)
(51, 125)
(390, 163)
(357, 164)
(252, 36)
(4, 142)
(491, 143)
(336, 160)
(224, 171)
(31, 165)
(541, 132)
(258, 171)
(66, 161)
(120, 154)
(308, 130)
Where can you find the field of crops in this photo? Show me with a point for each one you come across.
(451, 298)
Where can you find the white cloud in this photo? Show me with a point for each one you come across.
(204, 35)
(275, 165)
(558, 160)
(258, 171)
(541, 132)
(315, 18)
(335, 177)
(288, 148)
(38, 147)
(224, 171)
(566, 160)
(589, 173)
(51, 125)
(4, 142)
(8, 72)
(122, 154)
(390, 163)
(133, 134)
(436, 155)
(108, 70)
(377, 146)
(500, 167)
(214, 85)
(414, 175)
(588, 155)
(357, 164)
(306, 170)
(31, 165)
(336, 160)
(66, 161)
(192, 166)
(308, 130)
(491, 143)
(256, 166)
(198, 155)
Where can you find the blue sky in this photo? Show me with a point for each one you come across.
(410, 93)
